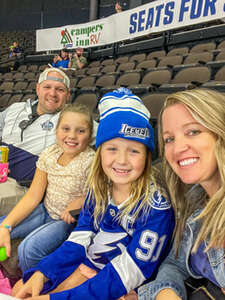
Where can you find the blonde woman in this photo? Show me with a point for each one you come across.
(192, 144)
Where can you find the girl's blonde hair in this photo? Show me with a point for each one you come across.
(208, 108)
(99, 186)
(77, 108)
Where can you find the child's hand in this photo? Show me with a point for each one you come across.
(32, 287)
(76, 204)
(5, 240)
(66, 217)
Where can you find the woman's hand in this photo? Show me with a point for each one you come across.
(5, 240)
(32, 287)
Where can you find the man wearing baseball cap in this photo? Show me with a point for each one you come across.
(52, 90)
(27, 128)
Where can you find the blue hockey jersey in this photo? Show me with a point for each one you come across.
(124, 252)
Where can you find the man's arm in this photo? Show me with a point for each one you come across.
(2, 121)
(70, 60)
(81, 61)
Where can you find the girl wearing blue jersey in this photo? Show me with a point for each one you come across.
(126, 225)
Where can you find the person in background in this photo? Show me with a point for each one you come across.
(118, 7)
(77, 61)
(15, 50)
(60, 178)
(192, 143)
(126, 225)
(62, 60)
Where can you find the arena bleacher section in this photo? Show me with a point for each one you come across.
(152, 66)
(183, 61)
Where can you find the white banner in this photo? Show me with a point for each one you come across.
(150, 18)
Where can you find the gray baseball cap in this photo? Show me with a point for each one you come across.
(44, 76)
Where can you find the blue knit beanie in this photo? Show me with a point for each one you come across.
(123, 115)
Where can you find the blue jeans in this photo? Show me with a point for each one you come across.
(42, 235)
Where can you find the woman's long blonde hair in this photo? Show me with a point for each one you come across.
(99, 186)
(208, 108)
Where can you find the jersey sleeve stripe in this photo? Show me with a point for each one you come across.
(82, 238)
(128, 271)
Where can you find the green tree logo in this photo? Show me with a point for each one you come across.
(66, 38)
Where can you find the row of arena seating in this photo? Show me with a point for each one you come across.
(161, 58)
(159, 71)
(161, 81)
(125, 64)
(26, 39)
(178, 61)
(148, 78)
